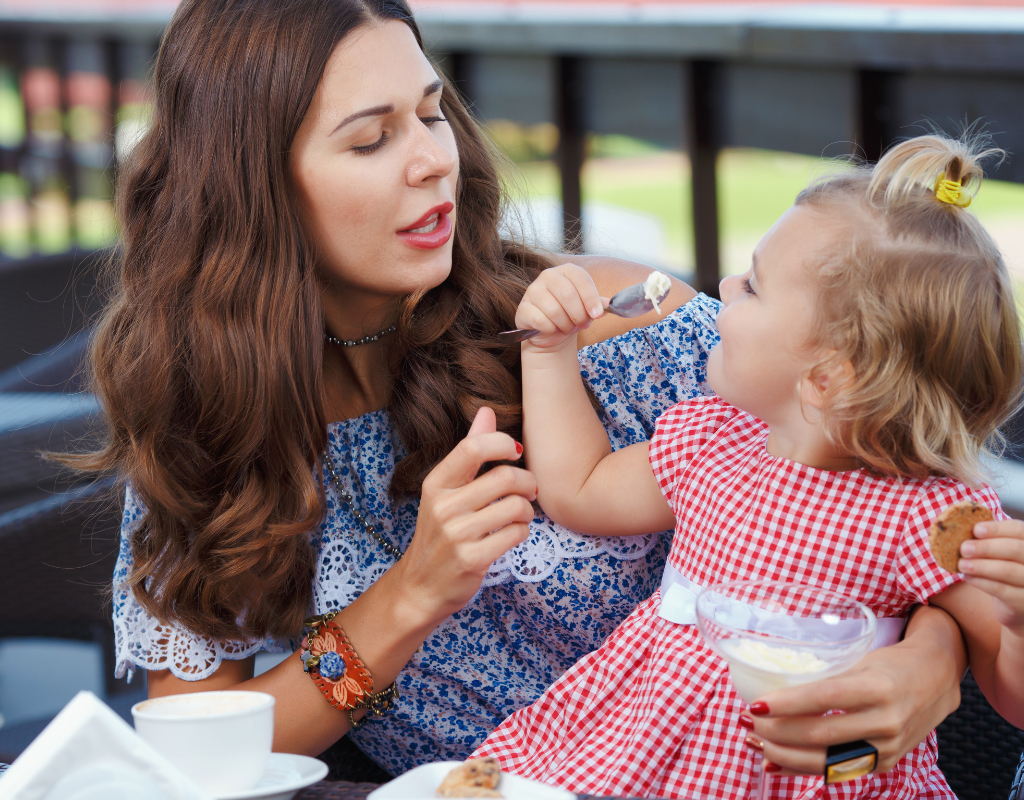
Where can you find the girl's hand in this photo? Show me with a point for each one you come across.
(466, 522)
(893, 699)
(994, 563)
(562, 301)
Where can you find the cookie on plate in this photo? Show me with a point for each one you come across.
(477, 777)
(469, 791)
(952, 527)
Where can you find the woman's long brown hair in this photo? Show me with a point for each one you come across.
(208, 359)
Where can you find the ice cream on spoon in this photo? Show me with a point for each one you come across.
(633, 301)
(656, 288)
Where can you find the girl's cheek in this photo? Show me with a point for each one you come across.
(723, 323)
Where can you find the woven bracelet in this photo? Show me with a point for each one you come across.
(338, 672)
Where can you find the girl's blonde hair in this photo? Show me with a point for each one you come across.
(917, 299)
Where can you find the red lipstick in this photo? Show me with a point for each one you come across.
(430, 231)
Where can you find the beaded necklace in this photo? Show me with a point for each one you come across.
(364, 340)
(387, 545)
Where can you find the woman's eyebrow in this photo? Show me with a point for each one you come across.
(378, 111)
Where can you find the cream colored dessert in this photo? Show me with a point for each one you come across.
(758, 668)
(656, 287)
(777, 659)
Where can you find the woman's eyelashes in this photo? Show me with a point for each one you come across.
(365, 150)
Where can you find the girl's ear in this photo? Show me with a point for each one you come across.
(816, 386)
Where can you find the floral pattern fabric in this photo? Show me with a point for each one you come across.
(543, 604)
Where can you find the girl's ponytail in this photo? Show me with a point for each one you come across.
(926, 163)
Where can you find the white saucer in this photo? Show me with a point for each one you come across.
(284, 776)
(422, 782)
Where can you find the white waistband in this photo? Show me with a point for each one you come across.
(679, 604)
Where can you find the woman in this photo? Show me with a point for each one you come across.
(307, 171)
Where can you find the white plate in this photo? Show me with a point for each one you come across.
(284, 776)
(422, 782)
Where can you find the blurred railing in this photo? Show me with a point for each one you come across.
(801, 78)
(812, 79)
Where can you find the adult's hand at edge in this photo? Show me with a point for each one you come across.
(893, 699)
(465, 522)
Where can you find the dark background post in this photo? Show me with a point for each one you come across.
(462, 76)
(569, 113)
(704, 139)
(875, 113)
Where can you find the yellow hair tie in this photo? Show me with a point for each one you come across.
(951, 192)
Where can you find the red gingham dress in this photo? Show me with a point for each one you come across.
(653, 712)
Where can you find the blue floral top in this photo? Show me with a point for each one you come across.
(542, 606)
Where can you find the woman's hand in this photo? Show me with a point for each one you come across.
(893, 699)
(562, 301)
(466, 522)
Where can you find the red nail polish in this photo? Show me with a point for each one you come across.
(747, 722)
(769, 767)
(754, 744)
(760, 708)
(519, 449)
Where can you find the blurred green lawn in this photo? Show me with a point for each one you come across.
(754, 188)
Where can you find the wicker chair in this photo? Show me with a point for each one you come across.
(1017, 789)
(978, 749)
(347, 762)
(44, 300)
(63, 549)
(57, 370)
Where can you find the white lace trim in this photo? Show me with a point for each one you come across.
(549, 544)
(143, 642)
(337, 583)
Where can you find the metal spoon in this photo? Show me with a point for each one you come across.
(630, 302)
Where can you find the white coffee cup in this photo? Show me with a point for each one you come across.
(221, 740)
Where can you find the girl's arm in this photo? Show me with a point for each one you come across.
(582, 484)
(989, 607)
(465, 522)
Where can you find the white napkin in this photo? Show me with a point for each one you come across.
(89, 753)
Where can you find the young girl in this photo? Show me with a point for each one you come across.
(865, 359)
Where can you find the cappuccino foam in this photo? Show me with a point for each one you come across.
(201, 704)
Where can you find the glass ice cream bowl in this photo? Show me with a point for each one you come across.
(774, 635)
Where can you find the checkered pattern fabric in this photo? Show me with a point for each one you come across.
(653, 712)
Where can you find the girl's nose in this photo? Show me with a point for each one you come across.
(728, 287)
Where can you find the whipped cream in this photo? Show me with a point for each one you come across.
(656, 287)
